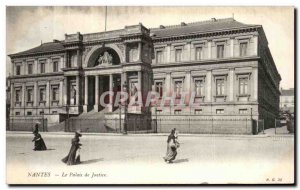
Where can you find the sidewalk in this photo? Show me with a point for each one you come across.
(260, 135)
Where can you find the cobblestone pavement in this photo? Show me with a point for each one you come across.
(138, 159)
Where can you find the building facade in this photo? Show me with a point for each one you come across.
(226, 64)
(287, 100)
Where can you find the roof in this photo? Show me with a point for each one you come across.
(197, 27)
(43, 48)
(289, 92)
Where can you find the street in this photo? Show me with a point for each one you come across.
(132, 159)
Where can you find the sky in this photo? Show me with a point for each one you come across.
(27, 27)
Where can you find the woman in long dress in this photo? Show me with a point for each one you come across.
(71, 159)
(39, 143)
(172, 145)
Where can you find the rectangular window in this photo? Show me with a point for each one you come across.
(41, 112)
(30, 67)
(158, 112)
(219, 111)
(42, 94)
(178, 88)
(18, 70)
(159, 88)
(29, 95)
(177, 112)
(42, 67)
(55, 94)
(243, 86)
(199, 53)
(159, 57)
(54, 112)
(243, 111)
(220, 83)
(17, 113)
(29, 113)
(178, 55)
(243, 48)
(198, 111)
(18, 96)
(55, 66)
(199, 88)
(220, 51)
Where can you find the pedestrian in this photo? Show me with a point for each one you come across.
(36, 127)
(39, 143)
(172, 145)
(71, 158)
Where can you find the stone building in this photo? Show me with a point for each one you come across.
(227, 64)
(287, 100)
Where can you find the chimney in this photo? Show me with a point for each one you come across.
(213, 19)
(56, 40)
(183, 24)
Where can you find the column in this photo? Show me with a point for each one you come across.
(188, 54)
(123, 79)
(168, 84)
(110, 90)
(48, 66)
(139, 80)
(255, 45)
(231, 47)
(77, 91)
(12, 97)
(65, 91)
(61, 95)
(86, 90)
(36, 61)
(23, 95)
(12, 68)
(140, 51)
(78, 58)
(208, 86)
(168, 52)
(35, 101)
(187, 84)
(209, 49)
(96, 106)
(231, 85)
(255, 81)
(48, 98)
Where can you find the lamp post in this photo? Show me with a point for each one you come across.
(125, 89)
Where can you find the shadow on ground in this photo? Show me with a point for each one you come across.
(91, 161)
(180, 160)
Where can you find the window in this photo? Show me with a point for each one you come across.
(17, 113)
(219, 111)
(42, 94)
(243, 86)
(178, 54)
(243, 111)
(55, 66)
(18, 70)
(159, 88)
(198, 111)
(220, 83)
(220, 51)
(178, 88)
(158, 112)
(29, 95)
(41, 112)
(18, 95)
(159, 57)
(55, 94)
(29, 113)
(199, 53)
(30, 66)
(177, 112)
(54, 112)
(42, 67)
(199, 88)
(243, 48)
